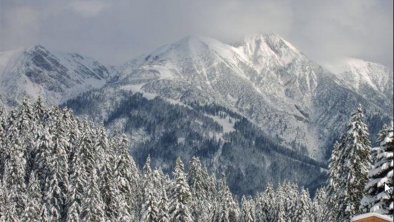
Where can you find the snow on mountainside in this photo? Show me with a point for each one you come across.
(257, 109)
(264, 78)
(359, 72)
(54, 76)
(368, 79)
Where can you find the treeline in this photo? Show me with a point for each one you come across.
(250, 159)
(55, 167)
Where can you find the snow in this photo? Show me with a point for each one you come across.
(262, 78)
(381, 168)
(227, 123)
(53, 85)
(357, 73)
(367, 215)
(266, 51)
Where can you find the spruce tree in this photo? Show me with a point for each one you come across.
(203, 191)
(149, 210)
(15, 163)
(126, 176)
(267, 205)
(333, 174)
(350, 168)
(380, 176)
(181, 196)
(8, 210)
(163, 208)
(321, 210)
(57, 183)
(93, 207)
(247, 210)
(34, 203)
(227, 208)
(306, 207)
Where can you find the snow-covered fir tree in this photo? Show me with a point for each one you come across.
(149, 210)
(50, 164)
(349, 168)
(203, 189)
(248, 211)
(163, 215)
(380, 176)
(227, 208)
(267, 205)
(34, 205)
(127, 176)
(321, 209)
(56, 167)
(181, 196)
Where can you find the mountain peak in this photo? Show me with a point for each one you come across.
(267, 50)
(36, 71)
(356, 63)
(358, 73)
(36, 48)
(274, 41)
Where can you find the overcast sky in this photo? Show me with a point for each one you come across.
(116, 31)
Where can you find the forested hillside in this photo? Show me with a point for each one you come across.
(55, 167)
(226, 142)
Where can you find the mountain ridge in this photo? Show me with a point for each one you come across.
(258, 108)
(284, 81)
(55, 76)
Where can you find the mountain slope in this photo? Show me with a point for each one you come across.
(371, 80)
(258, 109)
(54, 76)
(264, 78)
(225, 141)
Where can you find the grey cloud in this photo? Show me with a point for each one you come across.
(116, 31)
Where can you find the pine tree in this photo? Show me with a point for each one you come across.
(203, 191)
(288, 199)
(381, 175)
(126, 176)
(227, 208)
(57, 183)
(321, 210)
(267, 205)
(93, 207)
(34, 206)
(15, 163)
(77, 178)
(163, 208)
(77, 183)
(74, 209)
(333, 177)
(149, 208)
(247, 210)
(353, 162)
(306, 207)
(181, 196)
(123, 214)
(8, 210)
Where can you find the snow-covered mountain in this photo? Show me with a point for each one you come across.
(264, 78)
(256, 109)
(371, 80)
(54, 76)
